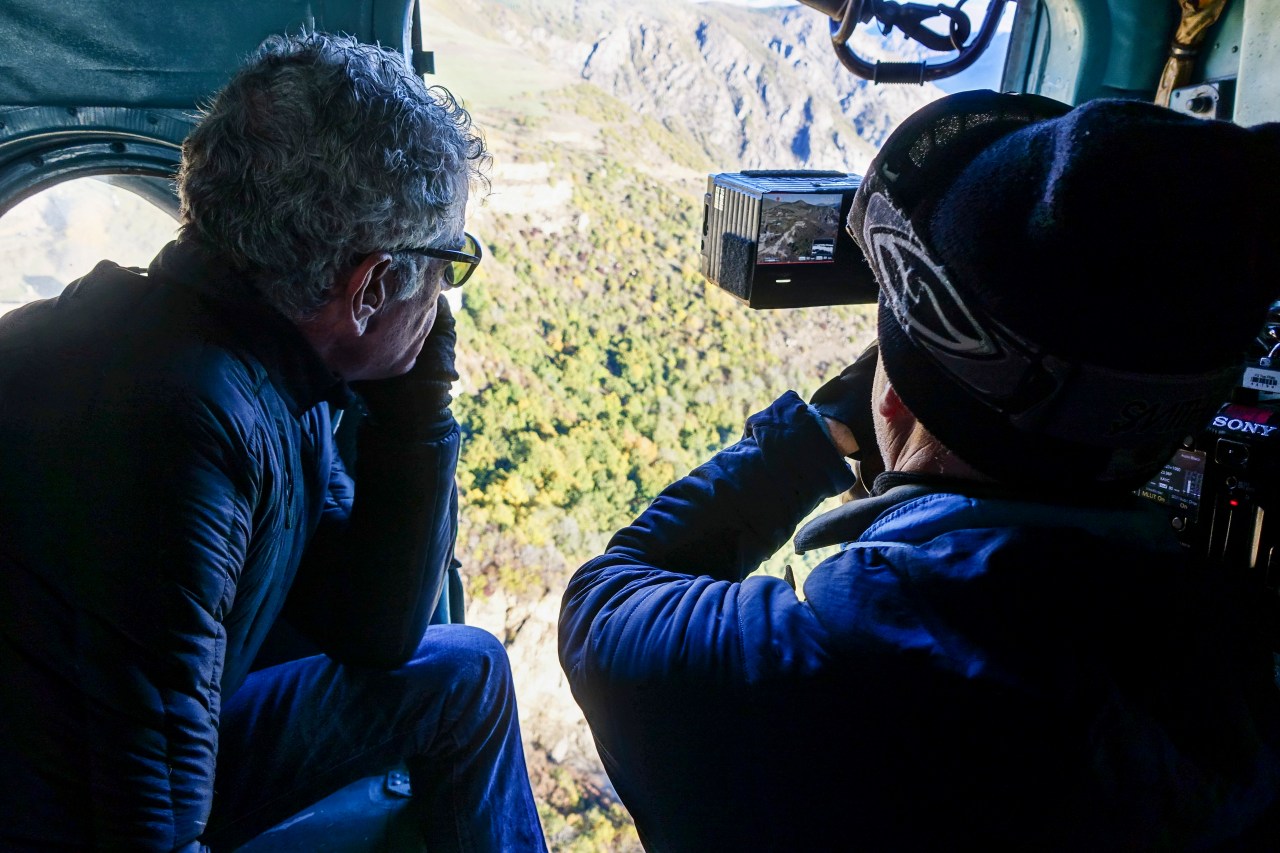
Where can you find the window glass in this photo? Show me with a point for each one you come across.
(59, 234)
(988, 70)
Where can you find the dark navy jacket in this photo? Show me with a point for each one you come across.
(169, 485)
(972, 673)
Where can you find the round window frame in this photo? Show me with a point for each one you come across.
(41, 147)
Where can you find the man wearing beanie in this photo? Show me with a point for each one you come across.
(1011, 650)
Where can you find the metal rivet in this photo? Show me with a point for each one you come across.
(117, 147)
(72, 111)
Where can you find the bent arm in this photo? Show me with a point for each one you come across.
(665, 597)
(373, 573)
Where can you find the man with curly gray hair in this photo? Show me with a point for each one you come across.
(207, 622)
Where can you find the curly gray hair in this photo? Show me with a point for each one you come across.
(322, 149)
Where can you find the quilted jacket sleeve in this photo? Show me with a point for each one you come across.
(127, 495)
(665, 600)
(157, 545)
(374, 571)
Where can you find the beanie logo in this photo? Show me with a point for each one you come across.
(1147, 416)
(990, 360)
(918, 291)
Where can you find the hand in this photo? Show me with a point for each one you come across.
(842, 437)
(845, 401)
(416, 405)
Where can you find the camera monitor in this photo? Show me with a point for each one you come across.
(776, 239)
(1179, 482)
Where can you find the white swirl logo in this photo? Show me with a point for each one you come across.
(982, 354)
(921, 297)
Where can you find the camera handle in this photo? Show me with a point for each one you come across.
(1238, 533)
(910, 19)
(1243, 545)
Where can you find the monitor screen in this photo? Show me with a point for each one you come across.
(1179, 481)
(799, 228)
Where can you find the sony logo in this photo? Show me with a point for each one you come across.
(1237, 425)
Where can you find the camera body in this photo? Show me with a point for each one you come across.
(1222, 487)
(1219, 483)
(776, 239)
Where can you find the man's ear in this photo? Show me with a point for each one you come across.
(888, 403)
(363, 291)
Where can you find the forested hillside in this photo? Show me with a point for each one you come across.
(607, 365)
(598, 365)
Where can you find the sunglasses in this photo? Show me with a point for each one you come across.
(462, 262)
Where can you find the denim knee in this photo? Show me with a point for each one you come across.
(471, 652)
(470, 664)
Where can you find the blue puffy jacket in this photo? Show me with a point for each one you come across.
(169, 485)
(976, 671)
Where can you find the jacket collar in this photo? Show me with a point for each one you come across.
(291, 363)
(847, 522)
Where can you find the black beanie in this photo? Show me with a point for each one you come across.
(1067, 293)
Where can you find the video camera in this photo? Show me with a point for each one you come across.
(1222, 487)
(776, 239)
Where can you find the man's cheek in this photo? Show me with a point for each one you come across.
(430, 320)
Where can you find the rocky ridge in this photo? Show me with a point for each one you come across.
(756, 88)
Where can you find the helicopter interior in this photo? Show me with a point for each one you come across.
(108, 90)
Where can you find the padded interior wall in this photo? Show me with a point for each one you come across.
(159, 53)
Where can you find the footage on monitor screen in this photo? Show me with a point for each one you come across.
(797, 228)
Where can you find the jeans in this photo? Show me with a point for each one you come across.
(297, 731)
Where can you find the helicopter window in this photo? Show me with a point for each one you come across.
(988, 70)
(59, 234)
